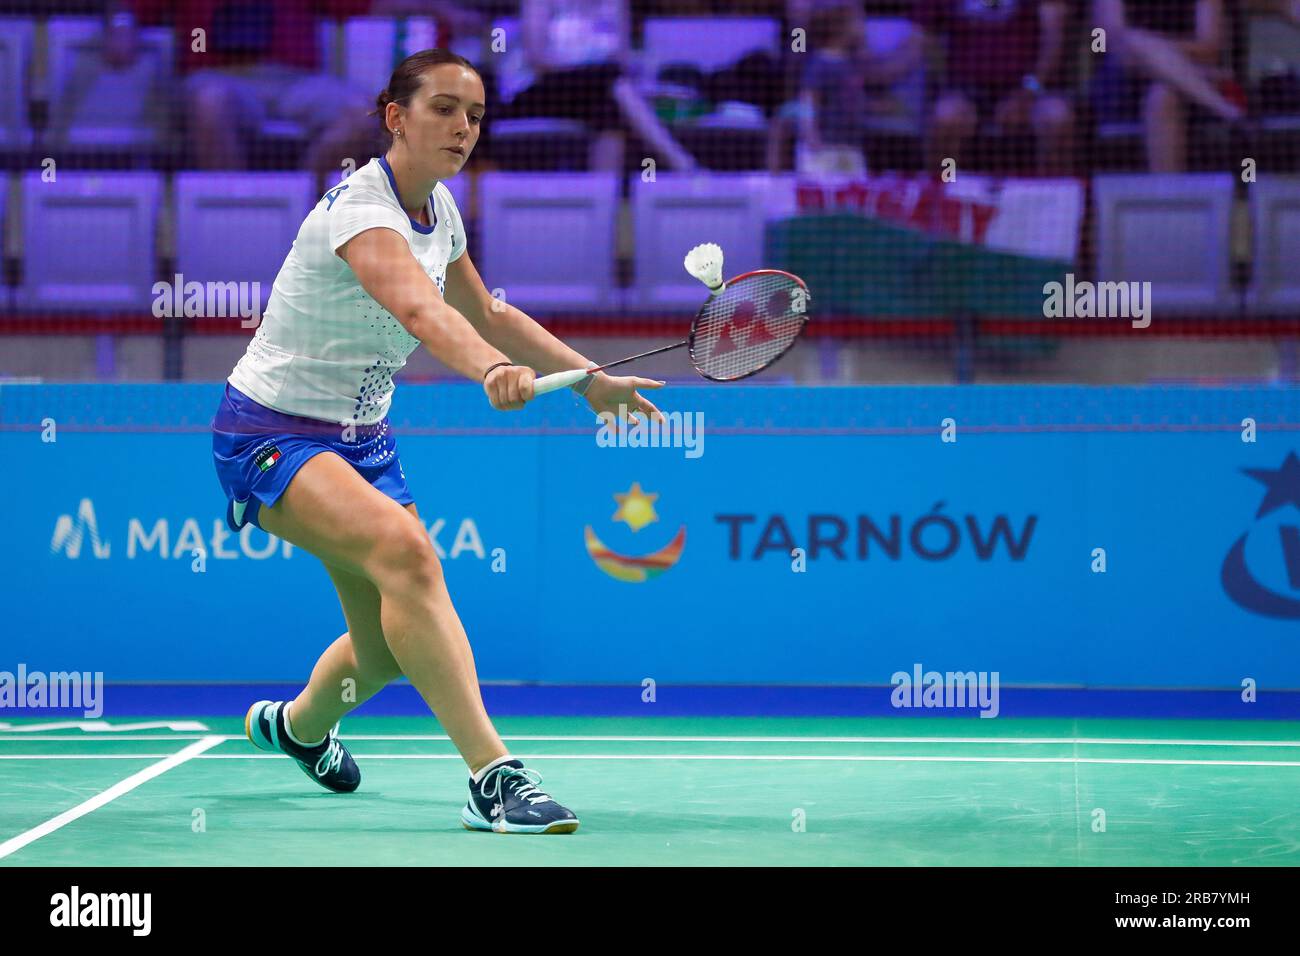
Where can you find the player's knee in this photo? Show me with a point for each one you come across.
(404, 555)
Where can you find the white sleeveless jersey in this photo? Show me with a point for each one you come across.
(325, 349)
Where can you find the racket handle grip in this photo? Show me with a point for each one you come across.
(558, 380)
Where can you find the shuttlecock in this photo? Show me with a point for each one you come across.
(705, 263)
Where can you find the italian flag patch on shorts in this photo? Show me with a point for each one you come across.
(267, 457)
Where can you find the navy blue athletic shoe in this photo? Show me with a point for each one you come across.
(328, 763)
(507, 800)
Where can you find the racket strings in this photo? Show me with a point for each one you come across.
(748, 326)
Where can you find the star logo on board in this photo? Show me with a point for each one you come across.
(1283, 484)
(1282, 488)
(636, 509)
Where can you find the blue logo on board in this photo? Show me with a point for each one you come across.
(1283, 488)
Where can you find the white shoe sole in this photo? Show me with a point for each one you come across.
(471, 821)
(248, 728)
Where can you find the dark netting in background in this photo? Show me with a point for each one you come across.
(964, 205)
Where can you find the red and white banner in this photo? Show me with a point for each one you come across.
(1040, 218)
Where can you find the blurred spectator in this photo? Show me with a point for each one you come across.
(356, 135)
(842, 84)
(1163, 57)
(574, 67)
(832, 94)
(1002, 58)
(711, 8)
(243, 63)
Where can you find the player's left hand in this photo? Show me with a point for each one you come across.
(618, 395)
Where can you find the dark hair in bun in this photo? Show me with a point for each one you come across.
(405, 80)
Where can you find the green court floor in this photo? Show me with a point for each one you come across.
(667, 791)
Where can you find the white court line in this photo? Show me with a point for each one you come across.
(103, 726)
(89, 738)
(106, 756)
(112, 793)
(1019, 742)
(871, 740)
(874, 758)
(1065, 741)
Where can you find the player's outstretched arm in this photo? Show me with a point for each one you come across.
(386, 269)
(520, 336)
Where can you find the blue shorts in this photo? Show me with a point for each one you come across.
(258, 450)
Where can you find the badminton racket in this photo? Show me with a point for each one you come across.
(746, 324)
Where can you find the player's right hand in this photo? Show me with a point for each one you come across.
(509, 387)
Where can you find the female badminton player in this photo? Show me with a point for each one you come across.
(303, 448)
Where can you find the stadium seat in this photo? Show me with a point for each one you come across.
(725, 144)
(15, 60)
(278, 143)
(6, 293)
(1136, 216)
(1275, 209)
(547, 144)
(79, 84)
(327, 42)
(470, 45)
(1273, 80)
(459, 188)
(373, 46)
(1274, 48)
(733, 137)
(677, 211)
(709, 43)
(540, 143)
(548, 241)
(238, 227)
(119, 210)
(1119, 145)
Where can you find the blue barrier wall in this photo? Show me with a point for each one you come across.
(976, 554)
